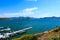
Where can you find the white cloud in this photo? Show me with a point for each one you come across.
(30, 12)
(31, 0)
(25, 12)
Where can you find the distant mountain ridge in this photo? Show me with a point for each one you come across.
(22, 18)
(35, 18)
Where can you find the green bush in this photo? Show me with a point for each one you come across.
(55, 38)
(27, 37)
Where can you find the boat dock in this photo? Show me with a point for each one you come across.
(7, 35)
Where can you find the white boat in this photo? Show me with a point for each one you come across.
(8, 29)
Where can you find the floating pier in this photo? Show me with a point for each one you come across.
(7, 35)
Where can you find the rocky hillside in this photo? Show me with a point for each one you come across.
(53, 34)
(49, 35)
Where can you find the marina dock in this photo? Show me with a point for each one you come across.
(7, 35)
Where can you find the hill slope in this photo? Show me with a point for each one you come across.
(48, 35)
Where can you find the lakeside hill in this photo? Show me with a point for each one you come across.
(4, 18)
(53, 34)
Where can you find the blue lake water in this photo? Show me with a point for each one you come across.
(38, 25)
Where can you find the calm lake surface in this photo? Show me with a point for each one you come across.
(38, 25)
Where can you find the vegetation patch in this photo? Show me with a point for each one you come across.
(26, 37)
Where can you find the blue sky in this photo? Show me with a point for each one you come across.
(29, 8)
